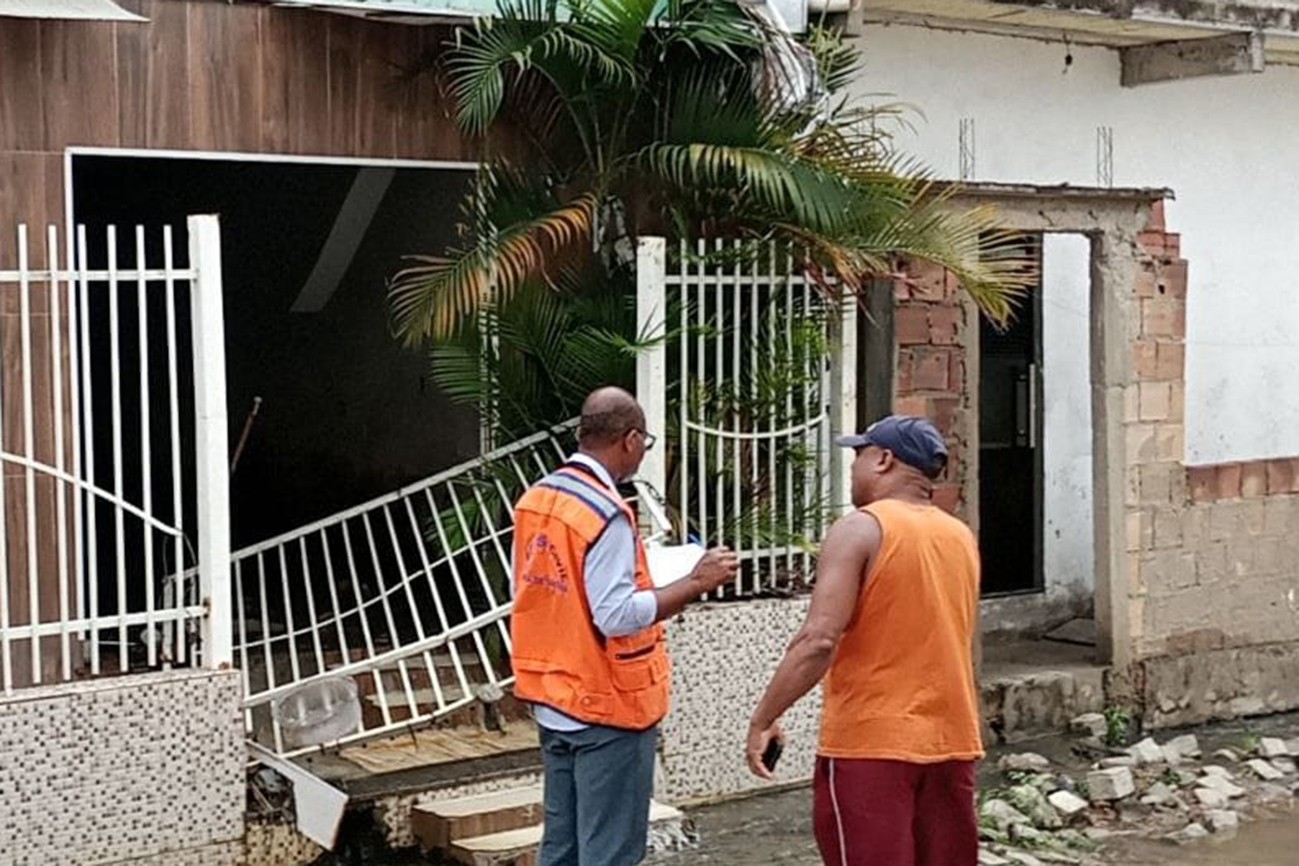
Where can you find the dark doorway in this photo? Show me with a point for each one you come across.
(347, 413)
(1010, 446)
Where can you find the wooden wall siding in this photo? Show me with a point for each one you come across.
(209, 75)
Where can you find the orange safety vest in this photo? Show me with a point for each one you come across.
(901, 685)
(560, 658)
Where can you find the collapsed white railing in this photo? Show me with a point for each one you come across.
(112, 382)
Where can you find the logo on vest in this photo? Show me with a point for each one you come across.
(543, 566)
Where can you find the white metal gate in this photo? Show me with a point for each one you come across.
(749, 385)
(113, 443)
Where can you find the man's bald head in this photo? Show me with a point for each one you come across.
(607, 416)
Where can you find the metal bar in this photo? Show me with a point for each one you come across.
(718, 376)
(333, 597)
(60, 491)
(268, 657)
(52, 629)
(243, 640)
(482, 577)
(66, 477)
(394, 635)
(683, 409)
(651, 361)
(701, 357)
(406, 580)
(92, 517)
(460, 588)
(754, 445)
(146, 456)
(789, 409)
(6, 660)
(311, 605)
(173, 412)
(33, 586)
(211, 432)
(365, 623)
(437, 598)
(51, 274)
(288, 615)
(75, 287)
(773, 479)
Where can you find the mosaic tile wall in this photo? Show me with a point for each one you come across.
(268, 842)
(722, 657)
(147, 769)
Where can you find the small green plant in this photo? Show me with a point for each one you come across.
(1117, 721)
(1249, 742)
(1170, 777)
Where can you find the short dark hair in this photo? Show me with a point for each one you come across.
(607, 427)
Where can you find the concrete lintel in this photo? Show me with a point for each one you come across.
(1232, 54)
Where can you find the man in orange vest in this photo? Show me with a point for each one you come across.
(890, 627)
(587, 650)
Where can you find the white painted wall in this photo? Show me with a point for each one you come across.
(1067, 549)
(1226, 146)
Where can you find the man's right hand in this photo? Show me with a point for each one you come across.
(716, 567)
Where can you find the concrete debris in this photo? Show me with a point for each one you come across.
(1185, 778)
(1025, 762)
(1222, 820)
(1111, 784)
(1273, 747)
(1159, 795)
(1190, 833)
(1229, 755)
(1271, 792)
(1264, 770)
(1001, 815)
(1067, 803)
(1088, 725)
(1147, 752)
(1210, 798)
(1029, 836)
(1117, 761)
(1292, 746)
(1215, 770)
(987, 858)
(1286, 766)
(1183, 748)
(1221, 785)
(1023, 858)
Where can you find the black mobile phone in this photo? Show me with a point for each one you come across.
(772, 754)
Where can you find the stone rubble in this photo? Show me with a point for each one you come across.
(1049, 814)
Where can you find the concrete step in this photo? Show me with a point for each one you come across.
(1034, 688)
(507, 827)
(438, 824)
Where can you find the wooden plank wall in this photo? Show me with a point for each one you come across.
(198, 75)
(210, 75)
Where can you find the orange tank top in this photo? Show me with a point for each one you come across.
(901, 685)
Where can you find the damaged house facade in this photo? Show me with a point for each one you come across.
(1128, 449)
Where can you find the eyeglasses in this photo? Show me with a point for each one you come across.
(647, 437)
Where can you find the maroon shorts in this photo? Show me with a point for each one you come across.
(894, 813)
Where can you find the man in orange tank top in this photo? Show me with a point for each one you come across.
(890, 630)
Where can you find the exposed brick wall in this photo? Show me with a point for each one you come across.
(932, 323)
(1212, 551)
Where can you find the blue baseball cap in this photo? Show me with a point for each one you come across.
(913, 440)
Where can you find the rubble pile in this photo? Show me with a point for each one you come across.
(1047, 813)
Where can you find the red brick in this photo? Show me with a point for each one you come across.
(1152, 242)
(1170, 361)
(1294, 474)
(1144, 365)
(1280, 476)
(911, 406)
(932, 369)
(1179, 318)
(911, 324)
(905, 372)
(947, 497)
(1147, 280)
(901, 289)
(1163, 317)
(928, 282)
(956, 380)
(1172, 279)
(1155, 222)
(1172, 245)
(1202, 481)
(944, 325)
(1229, 478)
(1253, 479)
(944, 411)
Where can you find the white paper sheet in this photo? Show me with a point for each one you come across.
(670, 563)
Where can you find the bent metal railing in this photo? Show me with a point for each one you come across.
(407, 594)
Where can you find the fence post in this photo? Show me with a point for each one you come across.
(212, 458)
(651, 361)
(843, 397)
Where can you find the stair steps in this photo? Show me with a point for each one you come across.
(498, 829)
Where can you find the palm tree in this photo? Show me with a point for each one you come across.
(684, 117)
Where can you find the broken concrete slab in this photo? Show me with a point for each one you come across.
(1221, 785)
(1183, 748)
(1211, 798)
(1264, 770)
(1190, 833)
(1215, 770)
(1088, 725)
(1230, 54)
(1067, 803)
(1286, 766)
(1222, 820)
(1147, 752)
(1110, 784)
(1230, 755)
(1158, 795)
(1117, 761)
(1025, 762)
(1273, 747)
(987, 858)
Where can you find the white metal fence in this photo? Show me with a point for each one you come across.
(748, 385)
(408, 595)
(113, 443)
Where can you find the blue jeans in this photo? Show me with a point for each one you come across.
(597, 796)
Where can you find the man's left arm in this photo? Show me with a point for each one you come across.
(841, 567)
